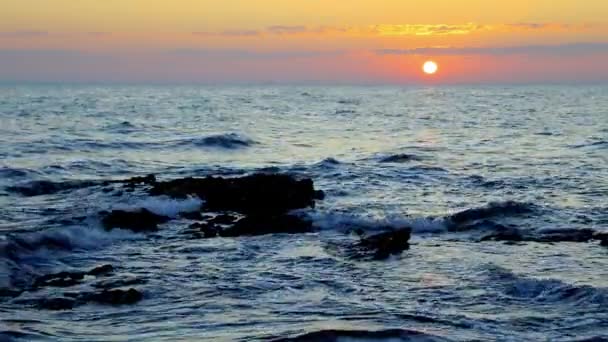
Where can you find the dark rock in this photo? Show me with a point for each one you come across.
(254, 225)
(565, 235)
(510, 234)
(399, 158)
(354, 335)
(101, 270)
(208, 230)
(508, 208)
(114, 297)
(137, 221)
(384, 245)
(602, 237)
(254, 194)
(223, 219)
(12, 293)
(56, 304)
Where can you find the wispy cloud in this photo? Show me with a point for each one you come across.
(230, 33)
(427, 30)
(397, 30)
(248, 54)
(575, 48)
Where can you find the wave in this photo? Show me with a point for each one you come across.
(494, 209)
(20, 253)
(545, 290)
(165, 206)
(45, 187)
(226, 141)
(10, 172)
(391, 335)
(346, 222)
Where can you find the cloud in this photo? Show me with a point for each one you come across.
(574, 48)
(249, 55)
(427, 30)
(281, 29)
(230, 33)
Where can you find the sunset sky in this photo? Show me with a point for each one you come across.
(304, 41)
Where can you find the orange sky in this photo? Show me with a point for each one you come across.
(339, 41)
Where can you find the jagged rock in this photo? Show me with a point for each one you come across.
(383, 245)
(56, 303)
(254, 194)
(137, 221)
(254, 225)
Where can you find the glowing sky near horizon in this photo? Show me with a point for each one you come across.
(354, 41)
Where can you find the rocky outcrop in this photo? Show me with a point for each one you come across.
(255, 194)
(141, 220)
(547, 236)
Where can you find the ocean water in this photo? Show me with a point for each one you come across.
(544, 148)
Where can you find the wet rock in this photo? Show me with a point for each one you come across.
(223, 219)
(546, 236)
(255, 225)
(208, 230)
(383, 245)
(355, 335)
(510, 234)
(56, 303)
(114, 297)
(400, 158)
(508, 208)
(101, 270)
(137, 221)
(10, 293)
(254, 194)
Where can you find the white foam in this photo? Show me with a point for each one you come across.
(166, 206)
(345, 221)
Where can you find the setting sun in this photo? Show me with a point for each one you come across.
(430, 67)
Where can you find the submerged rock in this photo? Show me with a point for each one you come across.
(66, 279)
(142, 220)
(254, 225)
(546, 236)
(383, 245)
(400, 158)
(56, 304)
(114, 297)
(254, 194)
(363, 335)
(508, 208)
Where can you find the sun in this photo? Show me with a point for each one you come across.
(430, 67)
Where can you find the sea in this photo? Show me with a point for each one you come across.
(383, 155)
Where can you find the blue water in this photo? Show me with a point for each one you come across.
(545, 147)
